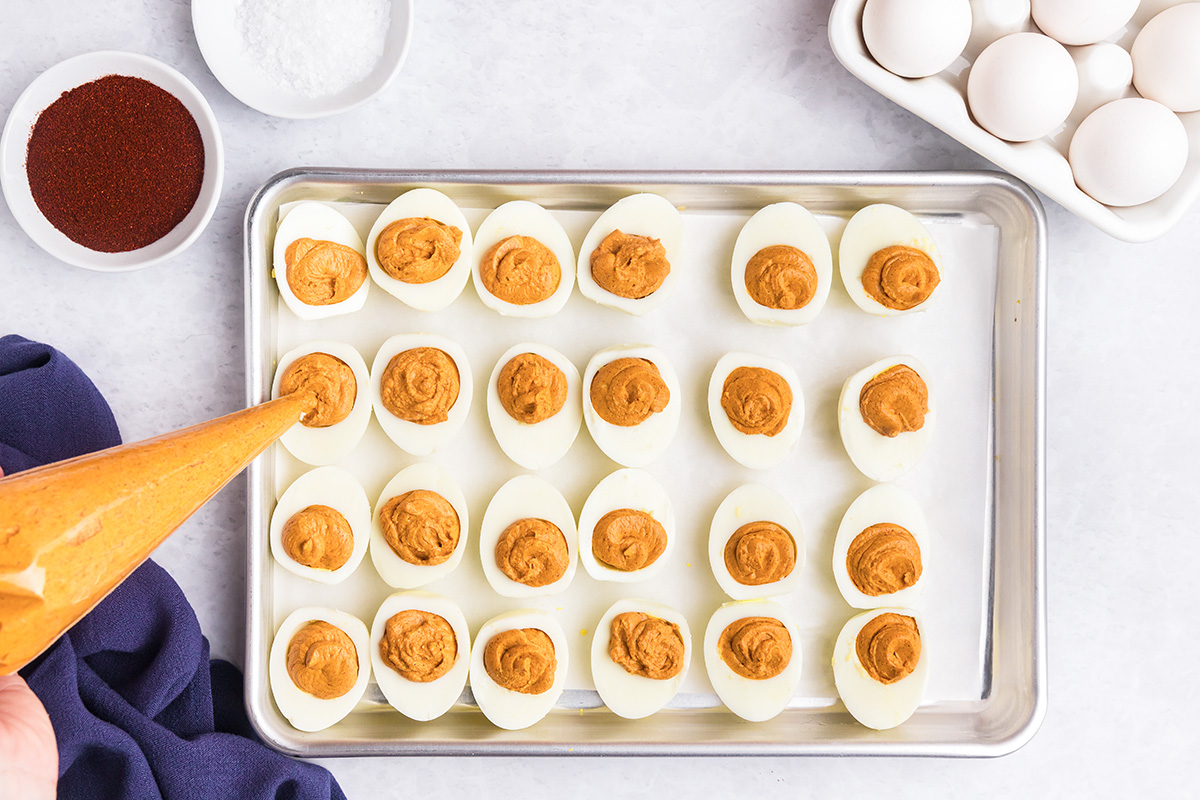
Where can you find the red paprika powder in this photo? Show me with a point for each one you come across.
(115, 164)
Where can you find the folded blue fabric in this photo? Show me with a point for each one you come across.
(138, 709)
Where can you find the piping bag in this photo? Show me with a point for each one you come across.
(71, 531)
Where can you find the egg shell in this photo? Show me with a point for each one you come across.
(1128, 152)
(421, 701)
(782, 224)
(643, 214)
(1105, 71)
(304, 711)
(636, 445)
(916, 38)
(635, 696)
(412, 438)
(506, 708)
(524, 218)
(1022, 87)
(526, 496)
(878, 457)
(752, 700)
(395, 571)
(544, 443)
(625, 488)
(320, 446)
(874, 704)
(755, 450)
(1082, 21)
(872, 229)
(435, 295)
(326, 486)
(316, 221)
(882, 503)
(753, 502)
(1166, 58)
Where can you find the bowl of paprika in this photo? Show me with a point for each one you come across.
(111, 161)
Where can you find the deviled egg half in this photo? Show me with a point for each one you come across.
(527, 539)
(337, 375)
(419, 528)
(534, 406)
(421, 390)
(881, 665)
(420, 653)
(889, 262)
(782, 266)
(524, 263)
(632, 403)
(319, 262)
(640, 654)
(518, 667)
(752, 654)
(886, 417)
(321, 525)
(419, 250)
(318, 666)
(880, 549)
(757, 408)
(626, 528)
(629, 259)
(756, 544)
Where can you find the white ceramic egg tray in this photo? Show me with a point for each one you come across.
(941, 101)
(980, 483)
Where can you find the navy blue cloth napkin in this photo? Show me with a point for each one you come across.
(138, 709)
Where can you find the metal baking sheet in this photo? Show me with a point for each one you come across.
(981, 485)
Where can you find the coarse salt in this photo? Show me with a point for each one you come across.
(314, 47)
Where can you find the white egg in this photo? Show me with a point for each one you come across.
(626, 489)
(304, 711)
(413, 437)
(768, 554)
(526, 497)
(756, 450)
(325, 486)
(752, 699)
(879, 457)
(871, 230)
(421, 701)
(523, 218)
(1105, 70)
(1082, 21)
(319, 446)
(790, 225)
(882, 504)
(540, 444)
(436, 294)
(626, 694)
(1166, 58)
(916, 38)
(508, 708)
(316, 221)
(641, 444)
(642, 214)
(394, 570)
(1022, 86)
(1128, 152)
(873, 703)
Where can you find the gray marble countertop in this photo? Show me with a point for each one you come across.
(699, 85)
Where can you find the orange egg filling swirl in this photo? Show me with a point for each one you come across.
(895, 401)
(521, 660)
(421, 527)
(630, 266)
(760, 552)
(531, 388)
(627, 539)
(889, 647)
(318, 537)
(646, 645)
(418, 249)
(756, 401)
(321, 273)
(420, 646)
(626, 391)
(900, 277)
(883, 559)
(327, 377)
(322, 660)
(520, 270)
(420, 385)
(533, 552)
(757, 648)
(781, 276)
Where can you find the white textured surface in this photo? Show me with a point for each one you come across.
(708, 85)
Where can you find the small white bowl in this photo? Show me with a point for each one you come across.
(215, 23)
(47, 88)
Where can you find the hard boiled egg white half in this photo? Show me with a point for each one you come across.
(526, 497)
(879, 457)
(872, 229)
(318, 221)
(882, 504)
(873, 703)
(628, 695)
(394, 570)
(641, 444)
(325, 486)
(540, 444)
(752, 699)
(319, 446)
(755, 450)
(791, 225)
(508, 708)
(643, 214)
(768, 554)
(625, 489)
(523, 218)
(305, 711)
(421, 701)
(412, 437)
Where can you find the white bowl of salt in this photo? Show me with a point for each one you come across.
(302, 59)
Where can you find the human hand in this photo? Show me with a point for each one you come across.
(28, 751)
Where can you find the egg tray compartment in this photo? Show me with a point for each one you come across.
(981, 484)
(941, 100)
